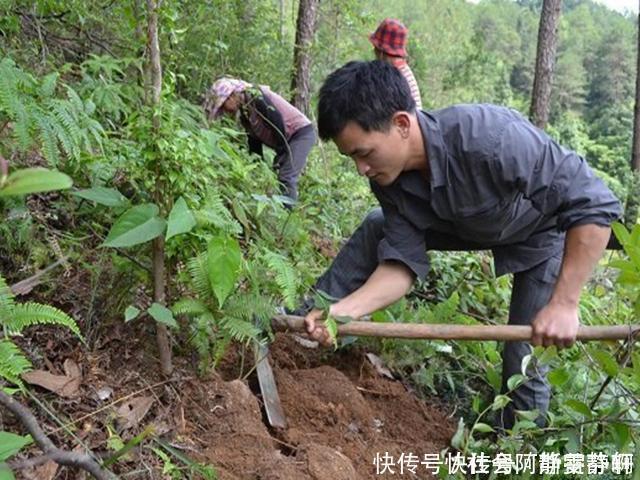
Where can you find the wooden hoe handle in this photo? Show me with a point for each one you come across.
(453, 332)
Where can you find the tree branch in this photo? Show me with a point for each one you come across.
(62, 457)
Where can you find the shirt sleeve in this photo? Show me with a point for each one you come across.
(557, 181)
(402, 242)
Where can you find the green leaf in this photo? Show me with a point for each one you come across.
(33, 180)
(457, 441)
(526, 360)
(109, 197)
(573, 441)
(130, 313)
(529, 415)
(476, 403)
(558, 377)
(5, 472)
(181, 219)
(493, 377)
(621, 232)
(500, 402)
(48, 85)
(189, 306)
(636, 368)
(515, 381)
(547, 354)
(224, 259)
(332, 327)
(621, 435)
(137, 225)
(343, 319)
(526, 425)
(607, 362)
(10, 444)
(162, 314)
(578, 406)
(483, 427)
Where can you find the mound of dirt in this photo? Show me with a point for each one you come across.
(340, 414)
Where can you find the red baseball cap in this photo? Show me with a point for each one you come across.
(391, 37)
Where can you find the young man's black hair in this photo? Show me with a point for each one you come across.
(368, 93)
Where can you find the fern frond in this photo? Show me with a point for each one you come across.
(24, 315)
(202, 328)
(67, 129)
(286, 277)
(216, 213)
(219, 349)
(49, 139)
(189, 306)
(250, 306)
(92, 130)
(6, 299)
(13, 363)
(22, 121)
(197, 267)
(238, 329)
(48, 85)
(74, 100)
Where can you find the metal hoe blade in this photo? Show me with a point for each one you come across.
(268, 387)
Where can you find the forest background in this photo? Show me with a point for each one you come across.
(160, 195)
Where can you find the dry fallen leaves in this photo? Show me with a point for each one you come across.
(131, 412)
(66, 385)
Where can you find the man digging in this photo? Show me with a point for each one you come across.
(467, 177)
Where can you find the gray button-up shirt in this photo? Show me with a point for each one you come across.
(496, 182)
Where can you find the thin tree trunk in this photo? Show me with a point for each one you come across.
(305, 31)
(281, 30)
(545, 62)
(143, 75)
(157, 246)
(635, 151)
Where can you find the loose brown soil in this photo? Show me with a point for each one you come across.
(340, 411)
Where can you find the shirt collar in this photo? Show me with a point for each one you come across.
(434, 146)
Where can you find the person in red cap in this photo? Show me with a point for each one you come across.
(389, 42)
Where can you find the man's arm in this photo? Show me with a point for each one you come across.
(387, 284)
(559, 183)
(557, 323)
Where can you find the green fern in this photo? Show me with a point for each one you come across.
(14, 318)
(57, 125)
(27, 314)
(197, 267)
(189, 306)
(238, 329)
(13, 363)
(286, 277)
(251, 307)
(219, 349)
(216, 213)
(6, 298)
(48, 139)
(245, 315)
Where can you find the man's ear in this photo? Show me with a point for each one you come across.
(402, 121)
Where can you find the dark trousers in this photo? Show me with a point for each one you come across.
(531, 291)
(290, 162)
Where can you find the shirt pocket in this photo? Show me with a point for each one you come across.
(485, 222)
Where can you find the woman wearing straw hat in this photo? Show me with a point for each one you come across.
(268, 120)
(389, 42)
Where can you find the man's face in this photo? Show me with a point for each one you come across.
(380, 156)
